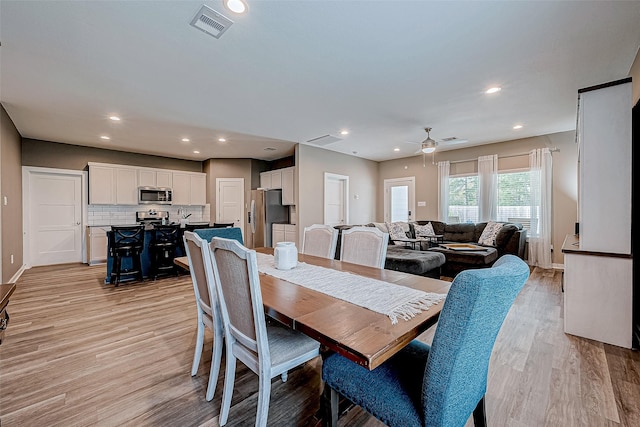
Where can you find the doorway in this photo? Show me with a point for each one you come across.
(230, 201)
(53, 216)
(399, 199)
(336, 199)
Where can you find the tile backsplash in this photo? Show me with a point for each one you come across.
(119, 215)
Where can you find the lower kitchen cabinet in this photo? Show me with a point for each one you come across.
(97, 244)
(284, 233)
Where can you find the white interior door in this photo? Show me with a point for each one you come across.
(399, 199)
(230, 201)
(55, 218)
(336, 199)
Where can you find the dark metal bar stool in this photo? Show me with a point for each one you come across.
(126, 242)
(163, 250)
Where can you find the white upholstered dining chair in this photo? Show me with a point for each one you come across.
(267, 349)
(365, 246)
(197, 250)
(320, 240)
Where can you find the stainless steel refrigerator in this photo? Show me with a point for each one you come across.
(265, 209)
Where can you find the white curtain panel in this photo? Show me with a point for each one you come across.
(443, 191)
(540, 235)
(488, 187)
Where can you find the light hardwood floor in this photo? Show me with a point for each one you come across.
(79, 352)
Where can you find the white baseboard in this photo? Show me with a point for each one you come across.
(16, 276)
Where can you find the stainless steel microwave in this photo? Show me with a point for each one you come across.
(154, 196)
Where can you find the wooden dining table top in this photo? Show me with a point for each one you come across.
(364, 336)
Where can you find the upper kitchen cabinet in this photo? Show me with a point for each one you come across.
(155, 178)
(271, 180)
(102, 185)
(112, 185)
(189, 189)
(126, 186)
(288, 180)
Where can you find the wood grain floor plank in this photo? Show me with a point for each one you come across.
(79, 352)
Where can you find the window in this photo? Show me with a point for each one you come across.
(514, 199)
(463, 199)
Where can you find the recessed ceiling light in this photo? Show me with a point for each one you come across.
(516, 127)
(493, 89)
(222, 140)
(236, 6)
(344, 132)
(105, 137)
(396, 149)
(196, 152)
(185, 139)
(114, 118)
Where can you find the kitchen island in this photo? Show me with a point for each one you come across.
(146, 256)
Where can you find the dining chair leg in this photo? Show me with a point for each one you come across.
(479, 414)
(229, 379)
(215, 365)
(329, 408)
(264, 394)
(199, 343)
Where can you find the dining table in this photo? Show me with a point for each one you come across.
(366, 337)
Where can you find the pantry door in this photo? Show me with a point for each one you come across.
(53, 216)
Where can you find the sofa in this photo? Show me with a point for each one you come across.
(433, 261)
(399, 258)
(510, 239)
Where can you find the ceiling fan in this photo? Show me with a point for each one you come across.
(429, 145)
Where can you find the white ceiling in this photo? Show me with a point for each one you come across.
(290, 71)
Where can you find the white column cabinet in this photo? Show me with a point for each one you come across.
(277, 234)
(288, 180)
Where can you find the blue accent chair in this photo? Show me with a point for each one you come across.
(442, 384)
(226, 233)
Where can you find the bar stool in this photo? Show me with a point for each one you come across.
(163, 250)
(126, 242)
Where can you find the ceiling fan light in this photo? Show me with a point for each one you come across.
(428, 150)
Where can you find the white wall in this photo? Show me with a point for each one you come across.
(312, 163)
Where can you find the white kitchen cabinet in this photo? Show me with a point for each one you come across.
(189, 189)
(284, 233)
(276, 179)
(288, 190)
(102, 185)
(271, 180)
(154, 178)
(277, 234)
(126, 186)
(265, 179)
(598, 295)
(290, 233)
(97, 245)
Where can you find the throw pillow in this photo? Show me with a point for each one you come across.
(489, 234)
(396, 232)
(424, 230)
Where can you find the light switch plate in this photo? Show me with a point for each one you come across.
(422, 203)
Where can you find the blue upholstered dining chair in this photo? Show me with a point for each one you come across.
(442, 384)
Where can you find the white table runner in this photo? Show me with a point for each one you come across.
(395, 301)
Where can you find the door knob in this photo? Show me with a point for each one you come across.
(78, 223)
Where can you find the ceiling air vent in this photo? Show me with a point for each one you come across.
(211, 22)
(324, 140)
